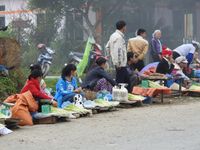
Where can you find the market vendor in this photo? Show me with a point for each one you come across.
(33, 85)
(166, 65)
(187, 50)
(98, 79)
(180, 64)
(66, 87)
(43, 86)
(196, 62)
(133, 74)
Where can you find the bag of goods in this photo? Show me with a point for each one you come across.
(2, 116)
(4, 130)
(5, 111)
(196, 73)
(88, 104)
(120, 93)
(175, 86)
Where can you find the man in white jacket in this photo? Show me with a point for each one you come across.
(117, 49)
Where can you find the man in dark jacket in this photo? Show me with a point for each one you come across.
(166, 65)
(131, 69)
(98, 79)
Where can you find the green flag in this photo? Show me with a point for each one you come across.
(84, 62)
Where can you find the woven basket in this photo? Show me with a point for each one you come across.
(90, 95)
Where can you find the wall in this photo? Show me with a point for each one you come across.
(16, 9)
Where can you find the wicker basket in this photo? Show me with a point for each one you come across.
(90, 95)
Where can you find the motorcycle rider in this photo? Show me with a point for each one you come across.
(45, 58)
(42, 49)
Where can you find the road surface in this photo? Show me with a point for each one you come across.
(157, 127)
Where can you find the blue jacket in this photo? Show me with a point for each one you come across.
(64, 88)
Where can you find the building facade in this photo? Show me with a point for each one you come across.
(14, 9)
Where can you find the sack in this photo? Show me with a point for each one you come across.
(197, 73)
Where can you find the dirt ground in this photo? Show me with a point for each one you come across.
(170, 126)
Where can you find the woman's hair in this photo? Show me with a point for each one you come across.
(35, 74)
(154, 33)
(35, 67)
(100, 61)
(67, 70)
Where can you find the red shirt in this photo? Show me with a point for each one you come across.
(33, 86)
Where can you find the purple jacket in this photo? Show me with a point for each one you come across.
(156, 46)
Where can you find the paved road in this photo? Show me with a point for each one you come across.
(166, 127)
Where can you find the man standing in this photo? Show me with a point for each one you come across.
(139, 47)
(117, 48)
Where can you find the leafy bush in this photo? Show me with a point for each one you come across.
(51, 83)
(7, 87)
(12, 84)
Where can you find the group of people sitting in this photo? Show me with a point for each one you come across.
(128, 63)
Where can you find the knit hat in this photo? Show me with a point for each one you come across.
(181, 59)
(166, 52)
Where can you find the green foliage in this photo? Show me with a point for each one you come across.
(29, 56)
(8, 33)
(51, 83)
(8, 87)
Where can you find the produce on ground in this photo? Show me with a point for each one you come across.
(132, 97)
(102, 103)
(73, 108)
(194, 88)
(60, 112)
(155, 85)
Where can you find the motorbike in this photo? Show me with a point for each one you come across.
(4, 71)
(45, 60)
(76, 57)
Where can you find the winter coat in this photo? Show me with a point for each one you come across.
(164, 67)
(94, 75)
(24, 105)
(117, 49)
(64, 87)
(139, 46)
(156, 46)
(33, 85)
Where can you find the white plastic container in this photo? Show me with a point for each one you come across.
(120, 93)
